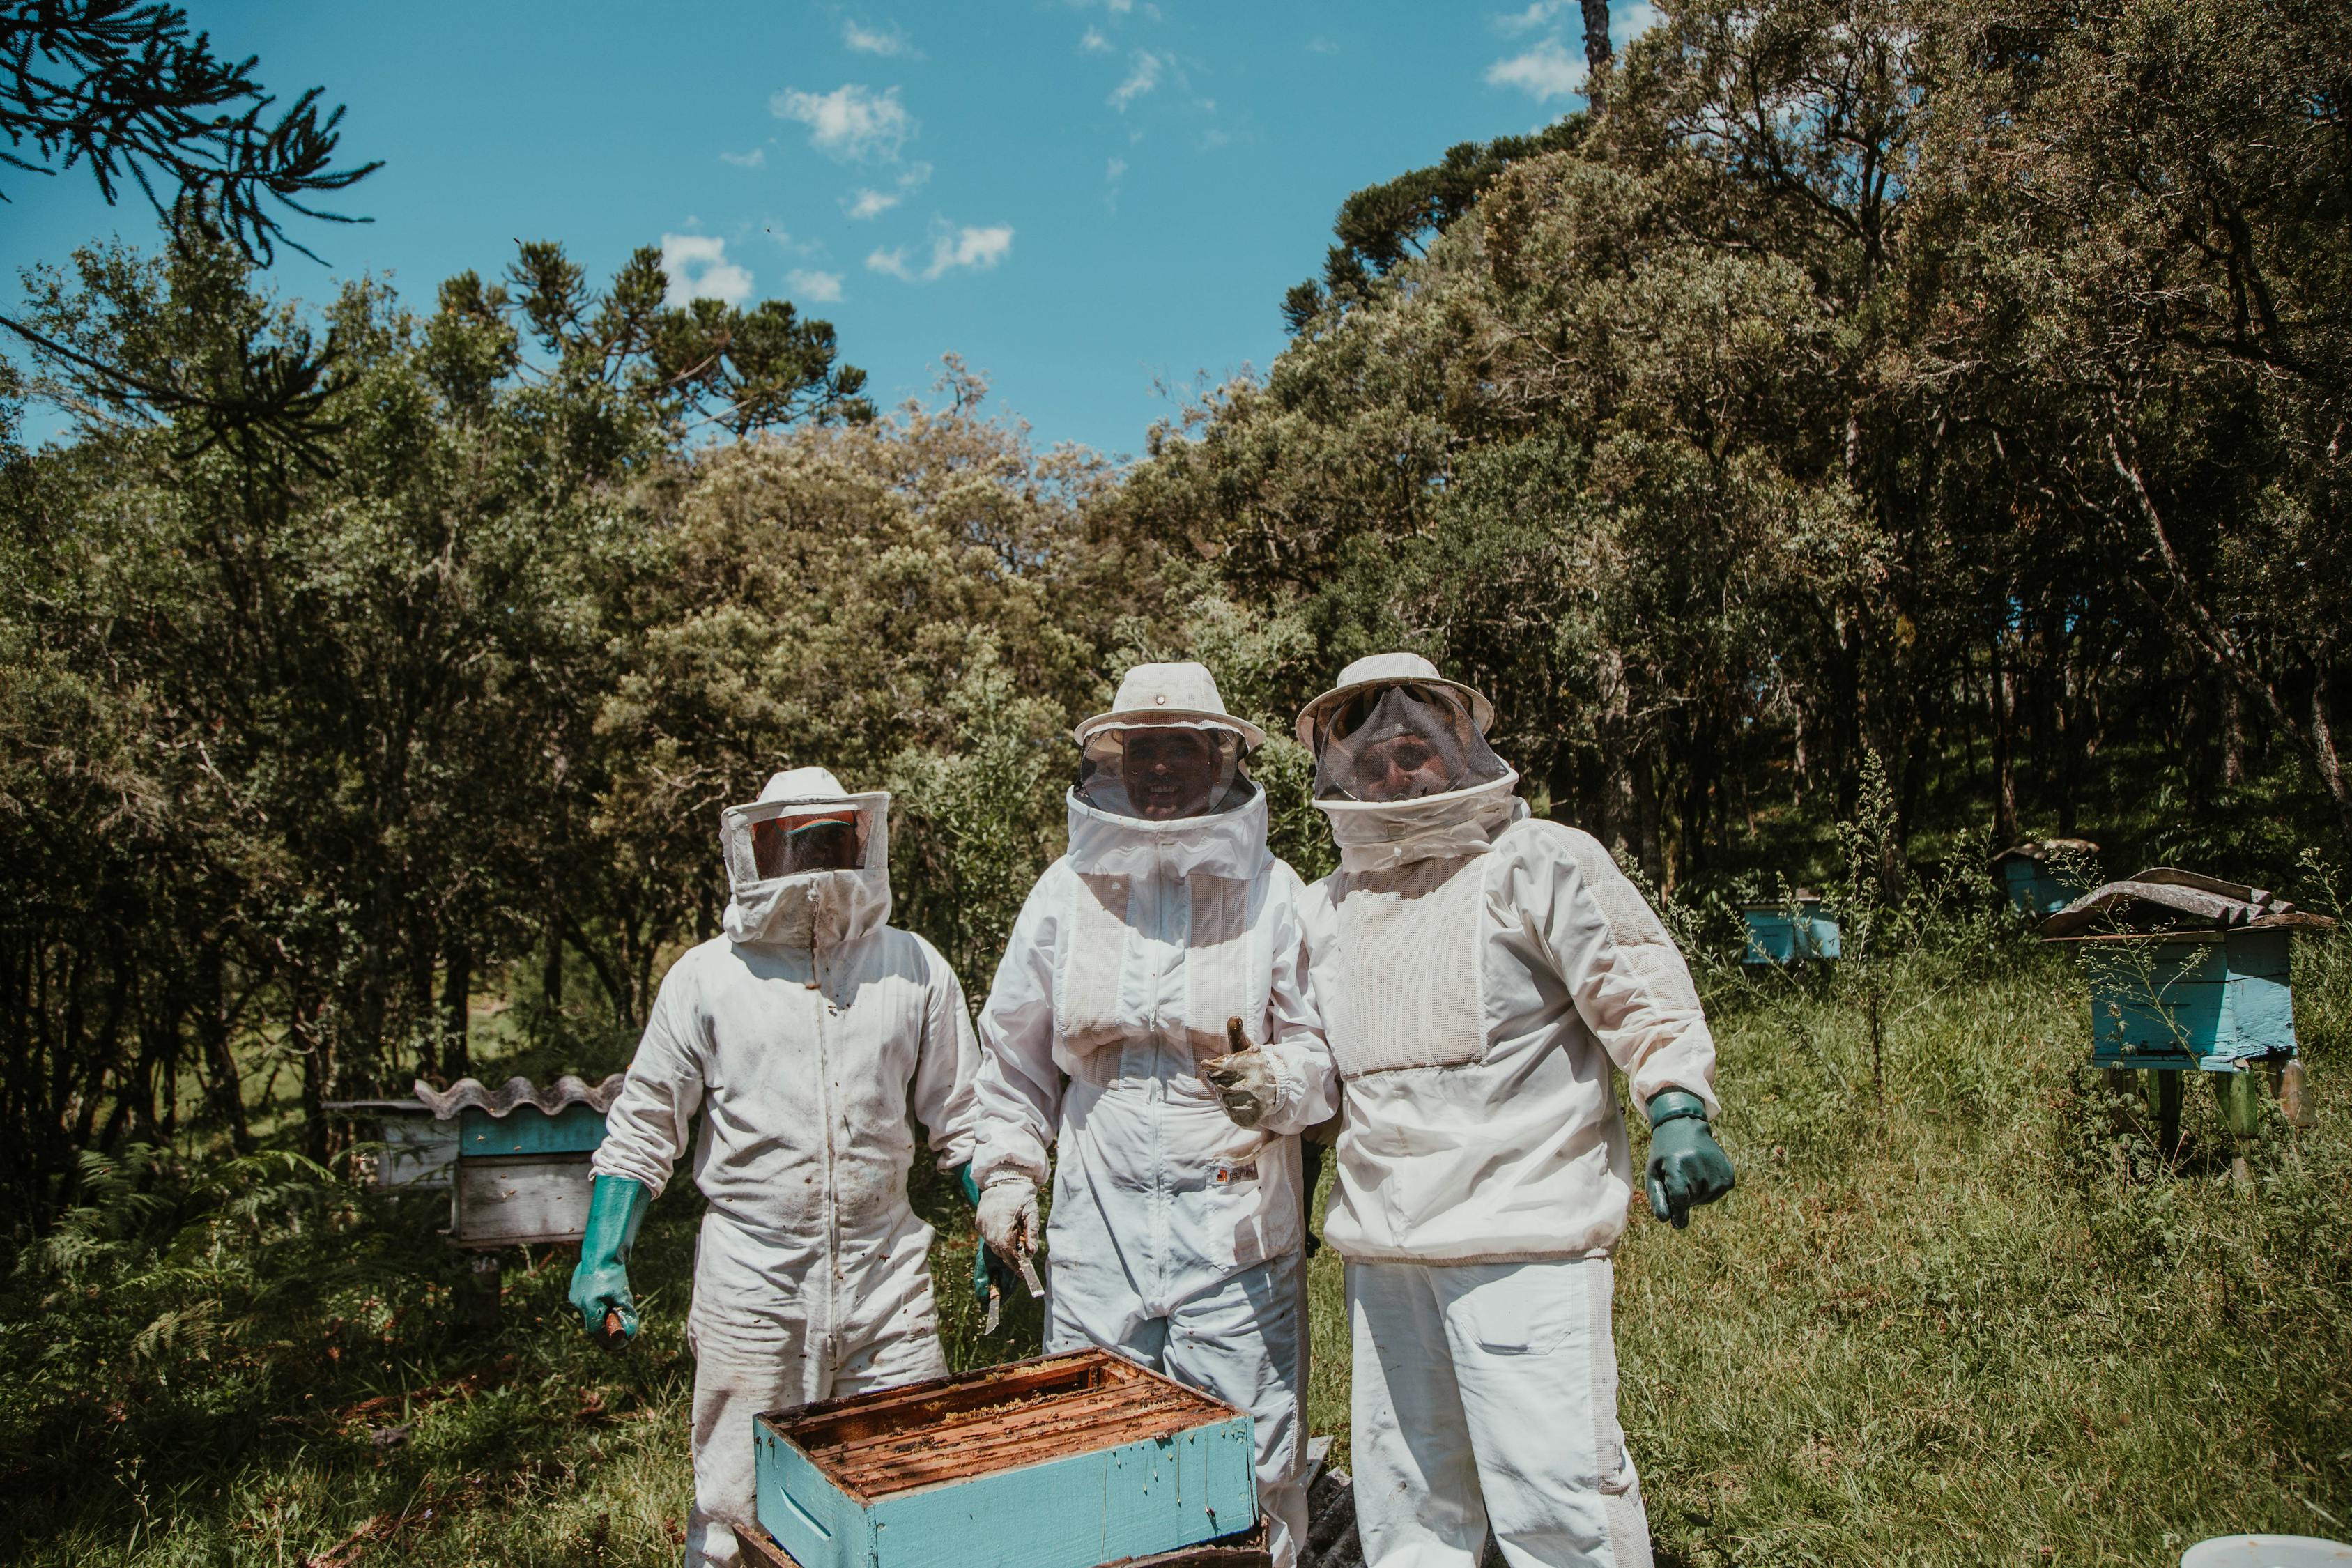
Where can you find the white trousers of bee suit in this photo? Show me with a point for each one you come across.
(1242, 1339)
(1485, 1395)
(764, 1344)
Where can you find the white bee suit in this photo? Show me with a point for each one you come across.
(1481, 975)
(804, 1036)
(1175, 1236)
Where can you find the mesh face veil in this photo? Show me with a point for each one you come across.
(1162, 772)
(787, 846)
(1399, 741)
(784, 838)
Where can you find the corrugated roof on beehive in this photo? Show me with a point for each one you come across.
(1801, 897)
(471, 1094)
(2043, 849)
(2166, 899)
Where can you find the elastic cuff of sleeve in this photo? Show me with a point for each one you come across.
(1675, 1105)
(1006, 1178)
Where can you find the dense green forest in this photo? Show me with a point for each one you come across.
(1946, 395)
(1960, 387)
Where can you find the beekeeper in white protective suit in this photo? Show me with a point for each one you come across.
(1480, 973)
(804, 1036)
(1176, 1234)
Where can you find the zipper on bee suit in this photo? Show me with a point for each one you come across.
(816, 1354)
(1162, 909)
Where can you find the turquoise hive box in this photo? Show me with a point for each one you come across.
(520, 1176)
(2043, 876)
(1067, 1461)
(2190, 974)
(1783, 934)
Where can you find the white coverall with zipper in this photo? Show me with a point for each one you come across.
(1480, 974)
(1175, 1236)
(804, 1036)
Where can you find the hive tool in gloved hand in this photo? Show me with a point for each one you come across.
(992, 1276)
(599, 1285)
(1687, 1167)
(1009, 1227)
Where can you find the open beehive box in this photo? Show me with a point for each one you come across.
(1068, 1461)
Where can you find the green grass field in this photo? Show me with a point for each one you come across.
(1979, 1324)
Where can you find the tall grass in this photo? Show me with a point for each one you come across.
(1986, 1324)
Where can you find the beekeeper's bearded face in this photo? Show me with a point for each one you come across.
(1160, 773)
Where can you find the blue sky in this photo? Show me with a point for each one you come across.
(1098, 204)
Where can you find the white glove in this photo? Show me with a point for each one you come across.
(1008, 1217)
(1244, 1084)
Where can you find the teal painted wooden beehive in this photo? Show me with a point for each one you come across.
(1068, 1461)
(2043, 876)
(2186, 972)
(521, 1175)
(1783, 934)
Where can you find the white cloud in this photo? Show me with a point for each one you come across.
(979, 247)
(1114, 169)
(1630, 23)
(1141, 79)
(870, 202)
(1545, 71)
(1537, 15)
(815, 287)
(698, 268)
(1321, 46)
(975, 247)
(873, 41)
(851, 123)
(751, 160)
(1093, 43)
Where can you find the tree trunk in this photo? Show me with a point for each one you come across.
(551, 964)
(1596, 49)
(224, 1085)
(456, 1001)
(2234, 735)
(2004, 747)
(318, 1076)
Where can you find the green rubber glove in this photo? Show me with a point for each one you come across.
(970, 1187)
(600, 1286)
(1687, 1166)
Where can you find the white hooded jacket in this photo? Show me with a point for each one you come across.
(1129, 954)
(804, 1036)
(1480, 973)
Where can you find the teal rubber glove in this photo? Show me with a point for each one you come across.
(1687, 1167)
(600, 1286)
(970, 1187)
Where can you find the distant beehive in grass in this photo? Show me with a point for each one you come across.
(513, 1158)
(521, 1175)
(1069, 1461)
(2189, 973)
(2043, 876)
(1789, 931)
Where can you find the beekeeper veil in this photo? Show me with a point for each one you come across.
(1400, 741)
(1402, 768)
(1167, 750)
(807, 863)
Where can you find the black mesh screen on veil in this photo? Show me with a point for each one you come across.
(1162, 771)
(1401, 742)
